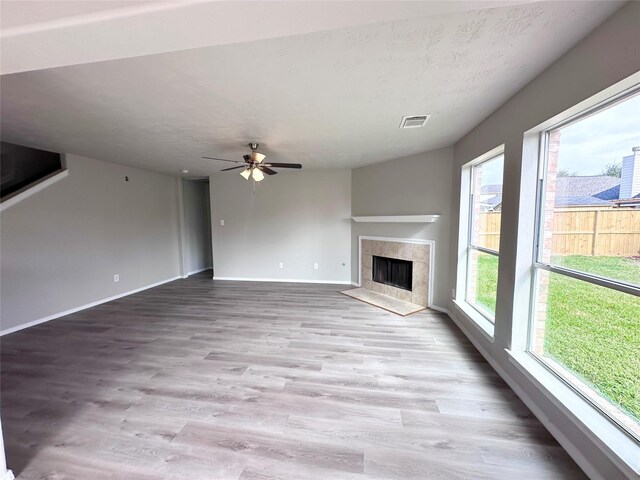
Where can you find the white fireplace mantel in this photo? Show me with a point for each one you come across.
(397, 219)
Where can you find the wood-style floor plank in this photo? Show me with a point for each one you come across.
(197, 379)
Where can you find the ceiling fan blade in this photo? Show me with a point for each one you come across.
(223, 159)
(233, 168)
(284, 165)
(267, 170)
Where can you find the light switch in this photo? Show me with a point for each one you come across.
(222, 223)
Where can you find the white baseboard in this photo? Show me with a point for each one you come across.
(570, 447)
(7, 475)
(83, 307)
(284, 280)
(193, 272)
(440, 309)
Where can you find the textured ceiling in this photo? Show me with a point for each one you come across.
(19, 13)
(56, 33)
(328, 99)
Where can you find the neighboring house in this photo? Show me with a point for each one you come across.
(490, 197)
(493, 203)
(586, 191)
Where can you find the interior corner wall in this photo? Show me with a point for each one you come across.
(605, 57)
(415, 185)
(197, 221)
(294, 218)
(61, 247)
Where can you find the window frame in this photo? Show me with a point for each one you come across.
(555, 368)
(476, 312)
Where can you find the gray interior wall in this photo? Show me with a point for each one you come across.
(197, 221)
(297, 218)
(415, 185)
(62, 246)
(607, 56)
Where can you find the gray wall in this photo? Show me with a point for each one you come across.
(197, 222)
(297, 218)
(608, 55)
(62, 246)
(419, 184)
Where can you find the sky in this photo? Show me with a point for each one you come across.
(588, 145)
(492, 171)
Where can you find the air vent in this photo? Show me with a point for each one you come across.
(414, 121)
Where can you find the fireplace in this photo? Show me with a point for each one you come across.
(416, 288)
(393, 271)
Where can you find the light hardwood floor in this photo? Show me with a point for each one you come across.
(199, 379)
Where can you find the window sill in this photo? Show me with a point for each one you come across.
(484, 326)
(621, 449)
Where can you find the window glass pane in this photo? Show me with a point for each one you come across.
(591, 208)
(482, 281)
(591, 335)
(486, 207)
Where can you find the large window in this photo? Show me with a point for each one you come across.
(586, 302)
(483, 232)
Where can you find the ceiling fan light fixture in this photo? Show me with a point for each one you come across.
(253, 165)
(257, 175)
(257, 157)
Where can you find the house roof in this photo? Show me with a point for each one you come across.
(587, 185)
(595, 190)
(493, 201)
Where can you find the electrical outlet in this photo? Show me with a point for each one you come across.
(281, 265)
(222, 223)
(116, 278)
(315, 266)
(453, 293)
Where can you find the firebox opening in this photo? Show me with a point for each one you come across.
(392, 271)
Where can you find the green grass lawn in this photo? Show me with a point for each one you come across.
(591, 330)
(487, 282)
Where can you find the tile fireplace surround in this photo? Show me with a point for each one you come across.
(420, 252)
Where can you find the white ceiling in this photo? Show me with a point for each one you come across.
(331, 98)
(29, 13)
(55, 33)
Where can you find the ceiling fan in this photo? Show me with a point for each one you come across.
(254, 166)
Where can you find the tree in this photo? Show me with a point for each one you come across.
(612, 170)
(566, 173)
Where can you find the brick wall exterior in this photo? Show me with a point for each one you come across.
(546, 239)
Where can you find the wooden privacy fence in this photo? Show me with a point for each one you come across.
(580, 231)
